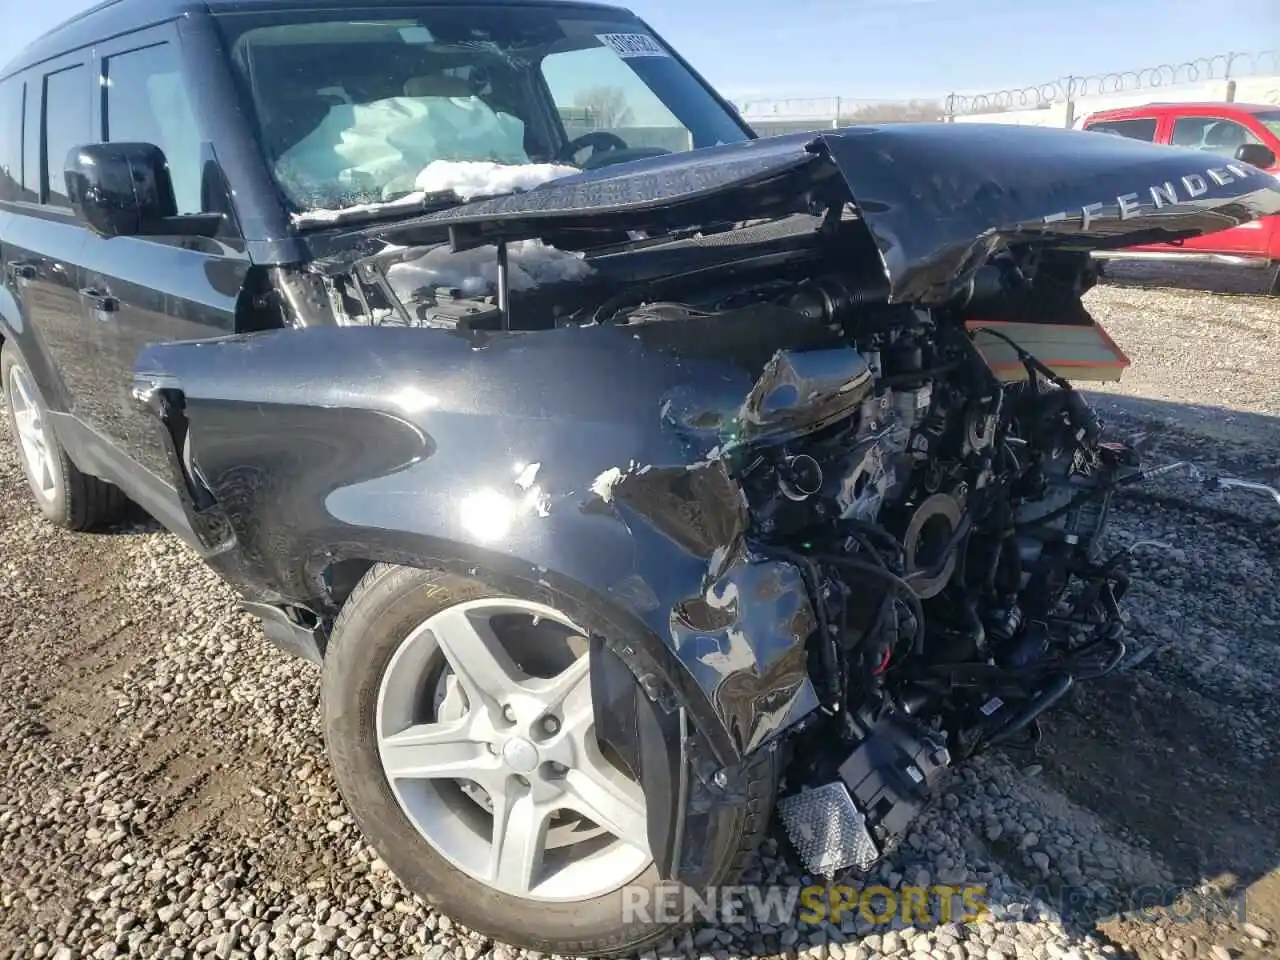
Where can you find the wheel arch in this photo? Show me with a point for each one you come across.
(643, 701)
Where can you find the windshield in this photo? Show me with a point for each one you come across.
(351, 106)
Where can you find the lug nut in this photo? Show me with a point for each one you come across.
(550, 725)
(509, 713)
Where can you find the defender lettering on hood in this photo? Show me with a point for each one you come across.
(1130, 205)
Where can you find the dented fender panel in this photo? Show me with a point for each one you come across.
(557, 459)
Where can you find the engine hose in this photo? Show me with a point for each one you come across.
(872, 532)
(917, 611)
(977, 632)
(827, 650)
(1111, 636)
(865, 542)
(1093, 494)
(962, 529)
(1028, 358)
(1046, 698)
(871, 570)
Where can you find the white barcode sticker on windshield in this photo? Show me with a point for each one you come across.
(628, 45)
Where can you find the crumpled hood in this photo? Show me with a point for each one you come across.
(936, 198)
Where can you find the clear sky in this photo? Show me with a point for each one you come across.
(895, 48)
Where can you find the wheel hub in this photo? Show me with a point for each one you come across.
(520, 755)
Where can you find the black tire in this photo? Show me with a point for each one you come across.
(1275, 280)
(385, 607)
(79, 501)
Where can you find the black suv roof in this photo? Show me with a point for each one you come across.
(113, 17)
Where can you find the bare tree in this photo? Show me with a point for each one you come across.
(606, 106)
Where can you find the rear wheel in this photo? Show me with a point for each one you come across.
(66, 496)
(460, 728)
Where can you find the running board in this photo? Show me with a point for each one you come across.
(1225, 259)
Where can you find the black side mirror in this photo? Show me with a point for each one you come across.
(124, 190)
(1257, 154)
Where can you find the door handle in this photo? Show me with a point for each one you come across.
(101, 300)
(22, 271)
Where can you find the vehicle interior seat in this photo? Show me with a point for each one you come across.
(1225, 138)
(438, 85)
(1187, 135)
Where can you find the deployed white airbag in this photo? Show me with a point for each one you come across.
(475, 272)
(381, 147)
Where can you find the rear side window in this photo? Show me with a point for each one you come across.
(146, 102)
(67, 118)
(11, 139)
(1212, 134)
(1143, 128)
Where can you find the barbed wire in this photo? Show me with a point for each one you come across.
(1223, 66)
(839, 110)
(782, 108)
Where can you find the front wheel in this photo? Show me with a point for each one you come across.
(67, 497)
(459, 725)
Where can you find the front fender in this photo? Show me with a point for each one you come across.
(581, 462)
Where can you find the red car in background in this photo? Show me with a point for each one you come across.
(1232, 131)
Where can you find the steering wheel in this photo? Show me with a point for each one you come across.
(600, 141)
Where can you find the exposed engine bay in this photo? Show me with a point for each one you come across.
(946, 514)
(948, 520)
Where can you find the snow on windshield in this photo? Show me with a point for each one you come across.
(468, 179)
(472, 178)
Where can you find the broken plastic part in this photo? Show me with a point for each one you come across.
(504, 286)
(1192, 471)
(1228, 483)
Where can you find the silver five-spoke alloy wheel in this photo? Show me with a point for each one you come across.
(33, 439)
(486, 736)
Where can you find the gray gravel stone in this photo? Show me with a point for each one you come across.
(1255, 931)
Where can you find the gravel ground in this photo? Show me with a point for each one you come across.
(163, 789)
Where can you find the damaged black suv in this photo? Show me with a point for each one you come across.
(634, 479)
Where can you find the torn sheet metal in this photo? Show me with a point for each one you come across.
(935, 198)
